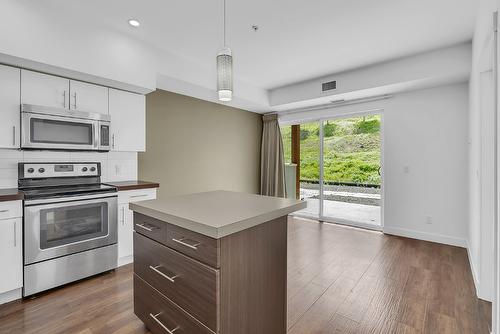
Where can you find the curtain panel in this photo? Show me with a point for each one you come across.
(272, 164)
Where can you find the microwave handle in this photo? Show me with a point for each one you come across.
(96, 135)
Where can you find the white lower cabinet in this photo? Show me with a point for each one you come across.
(11, 248)
(126, 221)
(125, 234)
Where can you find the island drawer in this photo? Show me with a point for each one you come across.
(195, 245)
(150, 227)
(160, 315)
(188, 283)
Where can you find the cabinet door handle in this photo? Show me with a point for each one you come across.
(113, 140)
(150, 229)
(170, 278)
(155, 318)
(14, 135)
(123, 216)
(15, 234)
(184, 243)
(74, 95)
(2, 211)
(64, 99)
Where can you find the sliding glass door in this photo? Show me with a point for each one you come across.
(340, 169)
(352, 172)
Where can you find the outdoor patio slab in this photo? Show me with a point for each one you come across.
(366, 214)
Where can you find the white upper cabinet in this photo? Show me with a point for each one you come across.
(45, 90)
(10, 96)
(88, 97)
(128, 121)
(52, 91)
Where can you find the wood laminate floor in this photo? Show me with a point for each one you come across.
(340, 280)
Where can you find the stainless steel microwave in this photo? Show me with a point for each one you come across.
(62, 129)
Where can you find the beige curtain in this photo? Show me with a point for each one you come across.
(272, 165)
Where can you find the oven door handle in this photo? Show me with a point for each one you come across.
(65, 201)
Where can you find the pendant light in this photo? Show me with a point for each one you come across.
(225, 67)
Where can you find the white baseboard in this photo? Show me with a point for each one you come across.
(11, 295)
(125, 260)
(426, 236)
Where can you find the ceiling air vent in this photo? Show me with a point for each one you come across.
(326, 86)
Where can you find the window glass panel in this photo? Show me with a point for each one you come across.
(60, 132)
(286, 136)
(309, 167)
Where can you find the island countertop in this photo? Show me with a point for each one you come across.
(218, 213)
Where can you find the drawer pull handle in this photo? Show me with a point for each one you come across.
(2, 211)
(135, 196)
(155, 269)
(184, 243)
(155, 318)
(150, 229)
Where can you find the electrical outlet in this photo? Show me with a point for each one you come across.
(428, 220)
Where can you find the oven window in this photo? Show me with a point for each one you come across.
(70, 224)
(60, 132)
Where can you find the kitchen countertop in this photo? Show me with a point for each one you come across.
(11, 194)
(218, 213)
(132, 185)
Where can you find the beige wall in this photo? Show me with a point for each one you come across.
(193, 145)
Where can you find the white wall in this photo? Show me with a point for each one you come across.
(116, 166)
(481, 154)
(426, 131)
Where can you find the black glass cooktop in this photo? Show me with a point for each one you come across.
(66, 191)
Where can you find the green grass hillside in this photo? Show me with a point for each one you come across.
(351, 149)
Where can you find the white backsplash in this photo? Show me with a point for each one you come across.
(115, 166)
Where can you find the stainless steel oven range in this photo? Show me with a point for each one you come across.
(70, 223)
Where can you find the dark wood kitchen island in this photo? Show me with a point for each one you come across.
(212, 262)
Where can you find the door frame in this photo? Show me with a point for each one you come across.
(496, 288)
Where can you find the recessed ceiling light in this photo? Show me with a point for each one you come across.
(134, 23)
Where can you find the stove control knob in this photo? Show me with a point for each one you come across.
(84, 169)
(41, 170)
(92, 169)
(31, 170)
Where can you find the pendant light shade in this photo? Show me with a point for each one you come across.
(224, 66)
(225, 75)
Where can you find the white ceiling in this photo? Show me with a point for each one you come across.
(297, 40)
